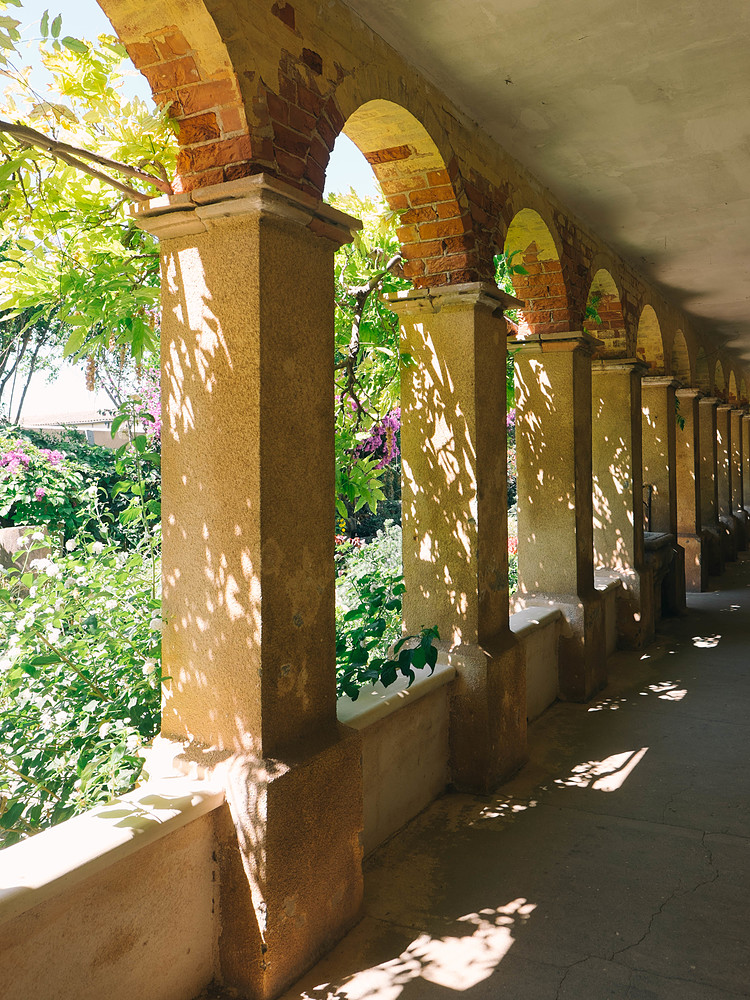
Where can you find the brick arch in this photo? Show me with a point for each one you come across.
(543, 288)
(178, 48)
(732, 388)
(604, 297)
(436, 234)
(703, 380)
(680, 359)
(649, 341)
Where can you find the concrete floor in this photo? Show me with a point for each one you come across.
(616, 866)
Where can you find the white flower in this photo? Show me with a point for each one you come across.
(155, 624)
(104, 729)
(149, 666)
(110, 605)
(97, 548)
(71, 544)
(53, 569)
(37, 536)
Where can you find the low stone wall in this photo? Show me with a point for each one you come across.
(539, 630)
(404, 748)
(120, 902)
(609, 584)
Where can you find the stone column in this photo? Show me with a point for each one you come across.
(659, 430)
(618, 494)
(737, 478)
(710, 487)
(688, 461)
(555, 526)
(724, 480)
(248, 573)
(455, 528)
(746, 462)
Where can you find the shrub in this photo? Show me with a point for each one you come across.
(79, 681)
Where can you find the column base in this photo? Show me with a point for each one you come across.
(730, 536)
(696, 561)
(289, 861)
(582, 656)
(488, 713)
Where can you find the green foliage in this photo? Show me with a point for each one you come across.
(374, 389)
(79, 681)
(67, 247)
(368, 619)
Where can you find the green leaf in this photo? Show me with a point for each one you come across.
(75, 45)
(44, 24)
(56, 26)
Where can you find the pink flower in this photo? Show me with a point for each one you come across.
(40, 493)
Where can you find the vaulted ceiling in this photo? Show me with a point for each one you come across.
(635, 114)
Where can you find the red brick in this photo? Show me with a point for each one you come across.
(200, 128)
(334, 115)
(308, 99)
(142, 54)
(285, 13)
(204, 96)
(438, 230)
(449, 262)
(403, 185)
(301, 120)
(433, 194)
(290, 141)
(231, 120)
(174, 44)
(390, 155)
(412, 251)
(290, 166)
(287, 88)
(316, 174)
(205, 178)
(448, 210)
(432, 281)
(407, 234)
(175, 73)
(397, 202)
(278, 108)
(312, 60)
(326, 132)
(438, 177)
(216, 154)
(319, 152)
(425, 214)
(412, 268)
(461, 277)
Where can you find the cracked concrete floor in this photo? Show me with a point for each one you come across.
(615, 866)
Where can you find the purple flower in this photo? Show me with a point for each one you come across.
(510, 420)
(40, 493)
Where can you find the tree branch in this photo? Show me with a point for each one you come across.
(73, 155)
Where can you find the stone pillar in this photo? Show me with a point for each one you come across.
(737, 478)
(455, 528)
(724, 480)
(618, 494)
(746, 462)
(659, 431)
(688, 461)
(709, 486)
(248, 573)
(555, 526)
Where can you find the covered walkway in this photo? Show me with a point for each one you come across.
(616, 865)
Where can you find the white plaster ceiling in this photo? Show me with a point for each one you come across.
(635, 113)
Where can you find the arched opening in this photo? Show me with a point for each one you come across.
(719, 380)
(680, 360)
(732, 388)
(703, 379)
(435, 233)
(649, 342)
(604, 318)
(531, 264)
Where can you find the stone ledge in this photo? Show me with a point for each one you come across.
(528, 620)
(55, 860)
(376, 702)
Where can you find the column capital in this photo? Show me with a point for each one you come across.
(194, 212)
(710, 401)
(547, 343)
(723, 405)
(661, 381)
(688, 392)
(620, 365)
(469, 295)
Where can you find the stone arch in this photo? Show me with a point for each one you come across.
(702, 375)
(732, 396)
(719, 383)
(680, 361)
(649, 341)
(542, 289)
(435, 232)
(604, 317)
